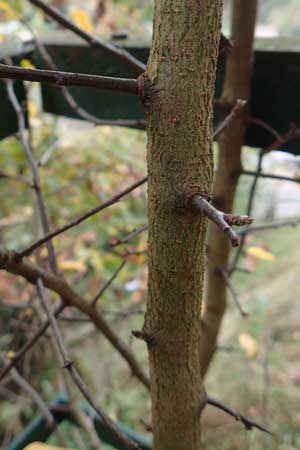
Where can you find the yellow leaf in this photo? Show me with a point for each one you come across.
(6, 12)
(249, 345)
(10, 354)
(29, 312)
(78, 266)
(260, 253)
(42, 446)
(82, 20)
(32, 108)
(27, 64)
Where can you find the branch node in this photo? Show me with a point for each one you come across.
(68, 365)
(237, 221)
(146, 90)
(149, 339)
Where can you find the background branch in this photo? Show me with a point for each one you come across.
(69, 365)
(90, 39)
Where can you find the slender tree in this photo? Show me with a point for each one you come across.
(177, 91)
(237, 85)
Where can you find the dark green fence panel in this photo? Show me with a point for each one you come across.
(8, 123)
(38, 430)
(275, 87)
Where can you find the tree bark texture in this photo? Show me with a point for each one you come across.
(177, 90)
(237, 84)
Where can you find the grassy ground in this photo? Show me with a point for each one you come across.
(265, 385)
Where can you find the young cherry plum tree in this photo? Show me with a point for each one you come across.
(177, 90)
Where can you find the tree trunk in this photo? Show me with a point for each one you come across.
(178, 90)
(237, 85)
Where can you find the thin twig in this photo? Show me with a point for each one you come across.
(294, 222)
(222, 220)
(108, 283)
(82, 113)
(236, 110)
(90, 39)
(29, 344)
(69, 365)
(34, 170)
(248, 210)
(27, 251)
(131, 235)
(270, 175)
(59, 78)
(233, 292)
(266, 126)
(248, 423)
(35, 397)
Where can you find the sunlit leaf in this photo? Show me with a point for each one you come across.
(81, 18)
(72, 265)
(249, 345)
(260, 253)
(27, 64)
(42, 446)
(6, 12)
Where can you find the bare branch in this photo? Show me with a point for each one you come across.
(233, 292)
(29, 344)
(12, 263)
(236, 110)
(222, 220)
(92, 40)
(35, 397)
(34, 170)
(131, 235)
(71, 100)
(248, 423)
(270, 176)
(294, 222)
(108, 283)
(27, 251)
(69, 365)
(59, 78)
(266, 126)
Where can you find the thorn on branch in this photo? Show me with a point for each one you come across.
(222, 220)
(225, 44)
(149, 339)
(248, 423)
(68, 365)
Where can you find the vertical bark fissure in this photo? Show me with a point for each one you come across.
(180, 80)
(237, 85)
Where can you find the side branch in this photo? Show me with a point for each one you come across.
(236, 110)
(69, 79)
(222, 220)
(68, 364)
(248, 423)
(89, 38)
(270, 176)
(12, 263)
(80, 219)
